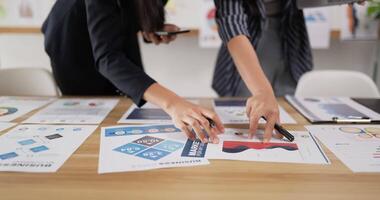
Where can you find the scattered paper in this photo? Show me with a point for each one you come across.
(4, 126)
(136, 148)
(12, 108)
(235, 145)
(324, 109)
(74, 111)
(234, 112)
(357, 146)
(40, 148)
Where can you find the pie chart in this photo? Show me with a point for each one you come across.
(7, 111)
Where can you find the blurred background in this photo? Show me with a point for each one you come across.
(186, 66)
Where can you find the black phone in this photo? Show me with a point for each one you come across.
(166, 33)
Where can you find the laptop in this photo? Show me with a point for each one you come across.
(319, 3)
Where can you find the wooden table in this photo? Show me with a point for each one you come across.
(78, 178)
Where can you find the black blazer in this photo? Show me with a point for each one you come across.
(94, 50)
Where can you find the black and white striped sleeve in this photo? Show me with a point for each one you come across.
(231, 18)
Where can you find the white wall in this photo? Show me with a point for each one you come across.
(183, 66)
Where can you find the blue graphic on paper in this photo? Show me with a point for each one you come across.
(130, 148)
(42, 129)
(194, 149)
(77, 129)
(8, 155)
(137, 130)
(153, 154)
(39, 149)
(27, 142)
(169, 145)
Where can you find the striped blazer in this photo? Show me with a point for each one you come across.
(241, 17)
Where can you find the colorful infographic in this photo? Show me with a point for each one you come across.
(12, 108)
(238, 146)
(235, 145)
(144, 147)
(234, 112)
(357, 146)
(40, 148)
(74, 111)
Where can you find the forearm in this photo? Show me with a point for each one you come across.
(161, 96)
(248, 65)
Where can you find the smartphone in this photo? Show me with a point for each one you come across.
(166, 33)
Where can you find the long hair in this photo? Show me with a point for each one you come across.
(151, 14)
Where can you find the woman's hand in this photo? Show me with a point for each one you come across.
(152, 37)
(263, 105)
(188, 116)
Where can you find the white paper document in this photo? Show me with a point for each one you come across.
(325, 109)
(136, 148)
(40, 148)
(357, 146)
(12, 108)
(74, 111)
(235, 145)
(4, 126)
(148, 114)
(234, 112)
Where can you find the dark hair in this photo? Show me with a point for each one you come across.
(151, 14)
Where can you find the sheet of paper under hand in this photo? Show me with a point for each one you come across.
(144, 147)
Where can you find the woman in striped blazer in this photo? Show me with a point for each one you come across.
(265, 51)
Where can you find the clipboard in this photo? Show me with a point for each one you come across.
(336, 110)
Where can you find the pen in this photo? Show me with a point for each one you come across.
(352, 119)
(211, 122)
(282, 131)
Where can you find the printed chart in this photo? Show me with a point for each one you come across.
(235, 145)
(14, 107)
(74, 111)
(136, 148)
(357, 146)
(40, 148)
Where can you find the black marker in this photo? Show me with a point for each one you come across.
(211, 122)
(283, 131)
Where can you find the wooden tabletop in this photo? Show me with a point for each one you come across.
(78, 177)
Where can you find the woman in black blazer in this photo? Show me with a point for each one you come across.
(93, 48)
